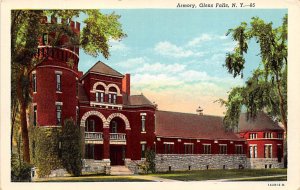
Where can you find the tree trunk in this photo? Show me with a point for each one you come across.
(23, 118)
(13, 120)
(281, 104)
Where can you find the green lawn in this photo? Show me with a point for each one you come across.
(221, 174)
(235, 175)
(96, 178)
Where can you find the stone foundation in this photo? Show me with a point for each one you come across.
(133, 165)
(260, 163)
(96, 166)
(177, 162)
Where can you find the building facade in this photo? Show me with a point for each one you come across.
(119, 127)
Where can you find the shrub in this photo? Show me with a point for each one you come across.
(45, 150)
(20, 172)
(71, 147)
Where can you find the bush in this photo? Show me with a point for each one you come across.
(149, 164)
(20, 172)
(71, 147)
(45, 149)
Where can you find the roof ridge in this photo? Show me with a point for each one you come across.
(190, 113)
(100, 62)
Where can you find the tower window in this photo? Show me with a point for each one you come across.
(58, 114)
(34, 115)
(143, 123)
(143, 150)
(58, 82)
(45, 39)
(34, 82)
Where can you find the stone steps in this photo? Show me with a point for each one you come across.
(120, 170)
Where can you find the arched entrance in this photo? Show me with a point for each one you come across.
(93, 123)
(118, 124)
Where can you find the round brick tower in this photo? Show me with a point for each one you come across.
(54, 80)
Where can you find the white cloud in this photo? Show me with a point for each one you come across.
(171, 50)
(197, 41)
(118, 46)
(161, 68)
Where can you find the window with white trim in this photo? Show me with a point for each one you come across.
(34, 82)
(206, 148)
(169, 148)
(58, 114)
(268, 151)
(143, 149)
(77, 115)
(223, 149)
(279, 135)
(188, 148)
(34, 115)
(99, 97)
(238, 149)
(253, 151)
(58, 82)
(143, 120)
(268, 135)
(253, 136)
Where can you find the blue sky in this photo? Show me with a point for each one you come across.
(175, 57)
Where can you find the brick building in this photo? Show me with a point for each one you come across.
(119, 126)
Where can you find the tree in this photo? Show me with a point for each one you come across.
(26, 28)
(266, 89)
(71, 147)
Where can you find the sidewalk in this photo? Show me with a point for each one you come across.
(246, 178)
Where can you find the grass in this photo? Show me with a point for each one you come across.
(231, 175)
(221, 174)
(95, 178)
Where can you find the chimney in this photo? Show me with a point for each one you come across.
(199, 110)
(126, 84)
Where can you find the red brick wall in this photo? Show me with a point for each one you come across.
(198, 146)
(261, 142)
(46, 95)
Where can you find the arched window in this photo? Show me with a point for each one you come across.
(112, 95)
(100, 93)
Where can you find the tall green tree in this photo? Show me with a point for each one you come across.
(26, 28)
(266, 89)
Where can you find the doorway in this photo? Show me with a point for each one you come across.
(117, 155)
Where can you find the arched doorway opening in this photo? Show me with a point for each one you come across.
(117, 130)
(93, 123)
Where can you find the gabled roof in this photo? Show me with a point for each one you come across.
(102, 68)
(137, 101)
(262, 122)
(187, 125)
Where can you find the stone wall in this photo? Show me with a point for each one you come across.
(133, 165)
(167, 162)
(259, 163)
(96, 166)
